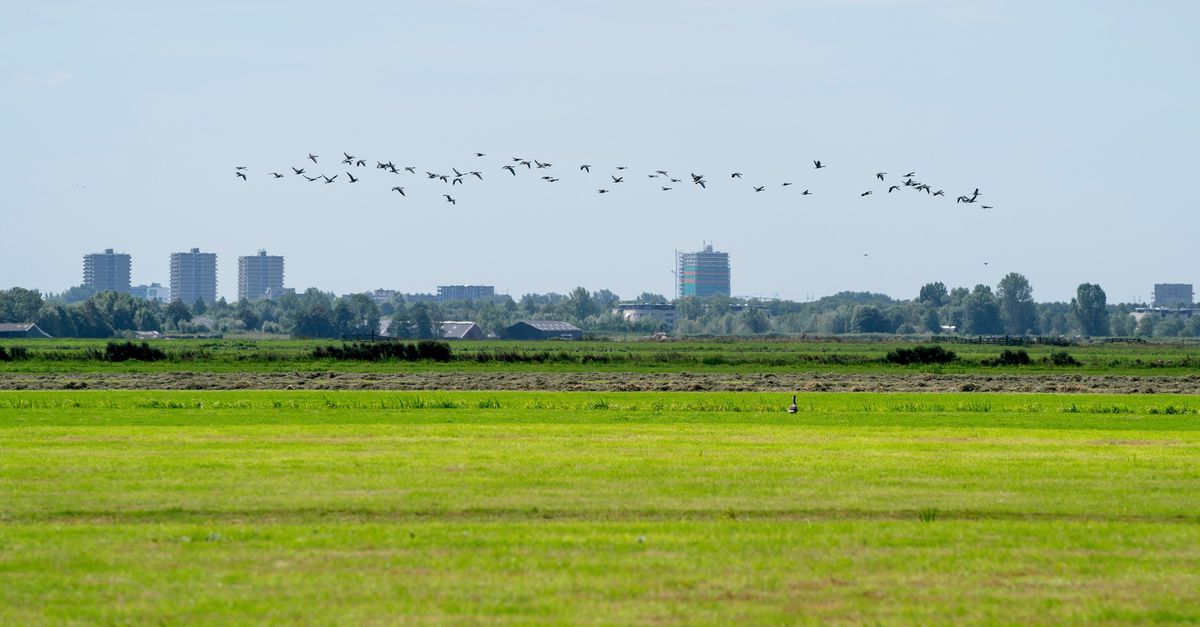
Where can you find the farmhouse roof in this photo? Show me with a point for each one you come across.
(549, 325)
(29, 328)
(456, 330)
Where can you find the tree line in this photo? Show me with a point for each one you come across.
(1009, 308)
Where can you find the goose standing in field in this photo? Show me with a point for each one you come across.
(792, 408)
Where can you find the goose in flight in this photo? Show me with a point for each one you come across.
(457, 173)
(880, 175)
(480, 154)
(622, 167)
(410, 169)
(542, 165)
(457, 181)
(617, 179)
(352, 179)
(300, 171)
(939, 193)
(311, 178)
(450, 200)
(586, 168)
(806, 193)
(759, 189)
(313, 157)
(511, 169)
(893, 188)
(239, 167)
(329, 180)
(910, 175)
(602, 191)
(477, 175)
(399, 189)
(866, 193)
(818, 164)
(527, 165)
(241, 174)
(786, 183)
(277, 175)
(735, 175)
(361, 163)
(667, 189)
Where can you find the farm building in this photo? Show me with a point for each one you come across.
(21, 329)
(542, 330)
(464, 330)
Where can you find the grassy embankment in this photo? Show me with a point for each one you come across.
(624, 356)
(235, 507)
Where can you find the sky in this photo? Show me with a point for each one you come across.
(122, 123)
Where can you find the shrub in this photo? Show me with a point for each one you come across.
(125, 351)
(425, 350)
(1063, 358)
(1009, 358)
(14, 354)
(920, 355)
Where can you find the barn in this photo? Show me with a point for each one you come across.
(21, 329)
(461, 330)
(542, 330)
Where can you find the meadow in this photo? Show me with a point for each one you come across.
(377, 507)
(738, 355)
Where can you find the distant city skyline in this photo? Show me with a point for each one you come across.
(1076, 120)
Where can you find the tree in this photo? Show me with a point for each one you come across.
(316, 321)
(19, 305)
(650, 298)
(933, 294)
(422, 323)
(868, 319)
(1017, 310)
(753, 320)
(199, 307)
(1090, 309)
(604, 300)
(981, 312)
(931, 321)
(580, 304)
(177, 312)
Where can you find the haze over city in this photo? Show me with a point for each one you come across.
(124, 123)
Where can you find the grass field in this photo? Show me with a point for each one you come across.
(373, 507)
(722, 355)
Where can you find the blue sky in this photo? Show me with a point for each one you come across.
(1077, 120)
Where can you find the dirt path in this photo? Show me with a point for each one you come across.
(606, 381)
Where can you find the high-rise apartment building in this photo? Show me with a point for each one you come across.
(465, 292)
(702, 274)
(194, 276)
(107, 271)
(260, 276)
(1173, 294)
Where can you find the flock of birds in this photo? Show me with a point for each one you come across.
(520, 165)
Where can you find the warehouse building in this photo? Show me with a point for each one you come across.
(542, 330)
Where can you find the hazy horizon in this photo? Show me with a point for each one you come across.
(1076, 120)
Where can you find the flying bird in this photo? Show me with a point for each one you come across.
(241, 174)
(893, 188)
(806, 193)
(786, 183)
(910, 175)
(361, 163)
(457, 181)
(818, 164)
(329, 180)
(399, 189)
(300, 171)
(311, 178)
(880, 175)
(277, 175)
(735, 175)
(759, 189)
(866, 193)
(939, 193)
(410, 169)
(602, 191)
(617, 179)
(480, 154)
(352, 179)
(586, 168)
(239, 167)
(667, 189)
(511, 169)
(476, 175)
(313, 157)
(450, 200)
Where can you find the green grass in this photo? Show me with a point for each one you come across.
(374, 507)
(732, 355)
